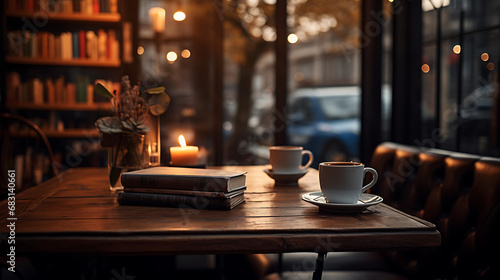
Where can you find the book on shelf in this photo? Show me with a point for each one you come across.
(181, 201)
(198, 179)
(63, 6)
(83, 45)
(186, 192)
(54, 91)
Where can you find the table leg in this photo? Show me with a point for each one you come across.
(280, 265)
(320, 261)
(219, 267)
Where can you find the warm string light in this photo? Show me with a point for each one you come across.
(140, 50)
(186, 53)
(485, 57)
(293, 38)
(179, 16)
(426, 68)
(171, 57)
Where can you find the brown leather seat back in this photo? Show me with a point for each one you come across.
(396, 166)
(460, 193)
(478, 253)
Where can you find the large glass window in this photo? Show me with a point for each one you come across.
(324, 68)
(181, 57)
(325, 75)
(461, 92)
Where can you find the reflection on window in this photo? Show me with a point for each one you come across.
(343, 107)
(323, 51)
(325, 68)
(468, 119)
(179, 55)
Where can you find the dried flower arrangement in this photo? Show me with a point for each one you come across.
(131, 108)
(123, 131)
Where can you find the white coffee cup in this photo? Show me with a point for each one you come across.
(288, 159)
(342, 182)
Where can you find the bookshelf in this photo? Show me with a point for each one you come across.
(62, 107)
(66, 133)
(61, 62)
(78, 17)
(56, 54)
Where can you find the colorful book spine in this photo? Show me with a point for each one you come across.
(81, 42)
(62, 6)
(50, 91)
(76, 45)
(66, 45)
(96, 6)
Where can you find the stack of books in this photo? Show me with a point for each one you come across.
(183, 187)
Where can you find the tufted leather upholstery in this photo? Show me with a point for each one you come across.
(459, 193)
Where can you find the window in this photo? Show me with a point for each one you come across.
(460, 75)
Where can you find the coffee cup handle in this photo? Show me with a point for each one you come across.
(374, 179)
(310, 159)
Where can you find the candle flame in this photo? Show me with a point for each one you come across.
(182, 141)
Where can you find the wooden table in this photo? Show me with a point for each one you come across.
(77, 213)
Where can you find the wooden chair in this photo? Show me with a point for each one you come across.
(25, 148)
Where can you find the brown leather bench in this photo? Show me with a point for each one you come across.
(459, 193)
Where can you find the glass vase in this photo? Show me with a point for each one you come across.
(128, 153)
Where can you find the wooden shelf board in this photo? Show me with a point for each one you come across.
(102, 17)
(67, 133)
(62, 107)
(60, 62)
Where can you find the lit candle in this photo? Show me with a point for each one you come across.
(184, 155)
(157, 18)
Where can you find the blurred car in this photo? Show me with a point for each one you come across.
(326, 122)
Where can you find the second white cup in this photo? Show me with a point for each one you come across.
(288, 159)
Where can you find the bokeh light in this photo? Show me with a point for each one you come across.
(179, 16)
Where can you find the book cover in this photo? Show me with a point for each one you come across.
(13, 87)
(90, 94)
(233, 193)
(69, 50)
(76, 6)
(179, 201)
(57, 47)
(27, 43)
(76, 44)
(34, 39)
(45, 45)
(82, 43)
(37, 91)
(59, 89)
(102, 38)
(65, 46)
(92, 45)
(71, 93)
(114, 46)
(49, 87)
(51, 46)
(113, 6)
(96, 4)
(184, 178)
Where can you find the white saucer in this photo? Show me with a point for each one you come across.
(286, 178)
(364, 201)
